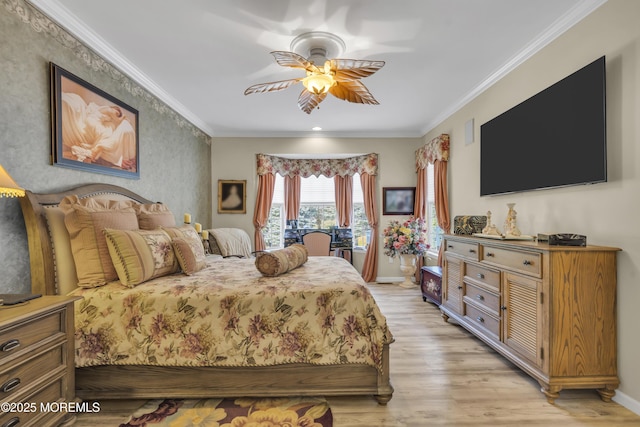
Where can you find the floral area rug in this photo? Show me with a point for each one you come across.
(240, 412)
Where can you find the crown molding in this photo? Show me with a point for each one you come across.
(89, 38)
(561, 25)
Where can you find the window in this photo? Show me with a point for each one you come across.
(317, 210)
(435, 232)
(317, 203)
(272, 232)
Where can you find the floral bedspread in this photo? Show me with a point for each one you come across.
(230, 315)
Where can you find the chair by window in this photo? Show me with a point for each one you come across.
(318, 243)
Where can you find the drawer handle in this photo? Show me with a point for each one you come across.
(490, 254)
(10, 385)
(503, 307)
(480, 276)
(479, 297)
(459, 287)
(527, 262)
(480, 319)
(473, 251)
(450, 246)
(10, 345)
(12, 422)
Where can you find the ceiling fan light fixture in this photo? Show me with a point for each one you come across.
(318, 43)
(339, 77)
(318, 83)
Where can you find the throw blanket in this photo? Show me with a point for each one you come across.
(232, 241)
(230, 315)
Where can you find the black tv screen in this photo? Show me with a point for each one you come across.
(555, 138)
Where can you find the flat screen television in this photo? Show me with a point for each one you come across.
(555, 138)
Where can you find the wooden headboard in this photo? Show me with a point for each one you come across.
(41, 248)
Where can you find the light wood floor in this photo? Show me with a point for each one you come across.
(442, 376)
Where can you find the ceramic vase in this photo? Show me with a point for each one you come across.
(408, 268)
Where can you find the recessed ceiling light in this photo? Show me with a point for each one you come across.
(316, 128)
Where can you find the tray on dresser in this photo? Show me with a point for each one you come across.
(469, 224)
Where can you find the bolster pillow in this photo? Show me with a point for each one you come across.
(281, 261)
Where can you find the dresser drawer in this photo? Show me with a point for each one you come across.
(524, 262)
(14, 339)
(482, 298)
(482, 320)
(466, 249)
(29, 369)
(481, 274)
(50, 393)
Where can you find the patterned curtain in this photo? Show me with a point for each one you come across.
(367, 163)
(436, 149)
(435, 152)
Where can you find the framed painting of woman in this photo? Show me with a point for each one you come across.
(232, 196)
(92, 130)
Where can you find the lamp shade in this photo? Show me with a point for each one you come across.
(8, 187)
(318, 83)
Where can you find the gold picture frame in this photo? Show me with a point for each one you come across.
(232, 196)
(90, 129)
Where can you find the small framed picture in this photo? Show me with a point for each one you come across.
(232, 196)
(92, 130)
(398, 200)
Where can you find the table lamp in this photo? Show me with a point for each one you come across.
(8, 187)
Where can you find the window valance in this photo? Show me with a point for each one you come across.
(436, 149)
(367, 163)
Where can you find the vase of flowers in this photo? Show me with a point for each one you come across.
(407, 240)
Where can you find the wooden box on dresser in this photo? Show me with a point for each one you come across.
(551, 310)
(37, 362)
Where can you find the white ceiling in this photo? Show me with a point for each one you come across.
(200, 55)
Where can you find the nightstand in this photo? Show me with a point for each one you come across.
(37, 361)
(431, 284)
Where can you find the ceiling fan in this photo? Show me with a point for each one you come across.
(339, 77)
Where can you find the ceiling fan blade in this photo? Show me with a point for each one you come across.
(307, 101)
(353, 91)
(293, 60)
(271, 87)
(352, 69)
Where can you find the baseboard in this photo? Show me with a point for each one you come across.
(627, 401)
(383, 280)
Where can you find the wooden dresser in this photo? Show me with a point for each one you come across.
(37, 361)
(551, 310)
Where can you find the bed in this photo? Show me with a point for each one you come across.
(261, 360)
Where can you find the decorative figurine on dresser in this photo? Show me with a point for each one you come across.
(510, 227)
(490, 229)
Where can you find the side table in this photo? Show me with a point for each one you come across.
(37, 360)
(431, 284)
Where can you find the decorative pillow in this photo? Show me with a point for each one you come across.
(278, 262)
(141, 255)
(85, 219)
(154, 215)
(190, 254)
(184, 231)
